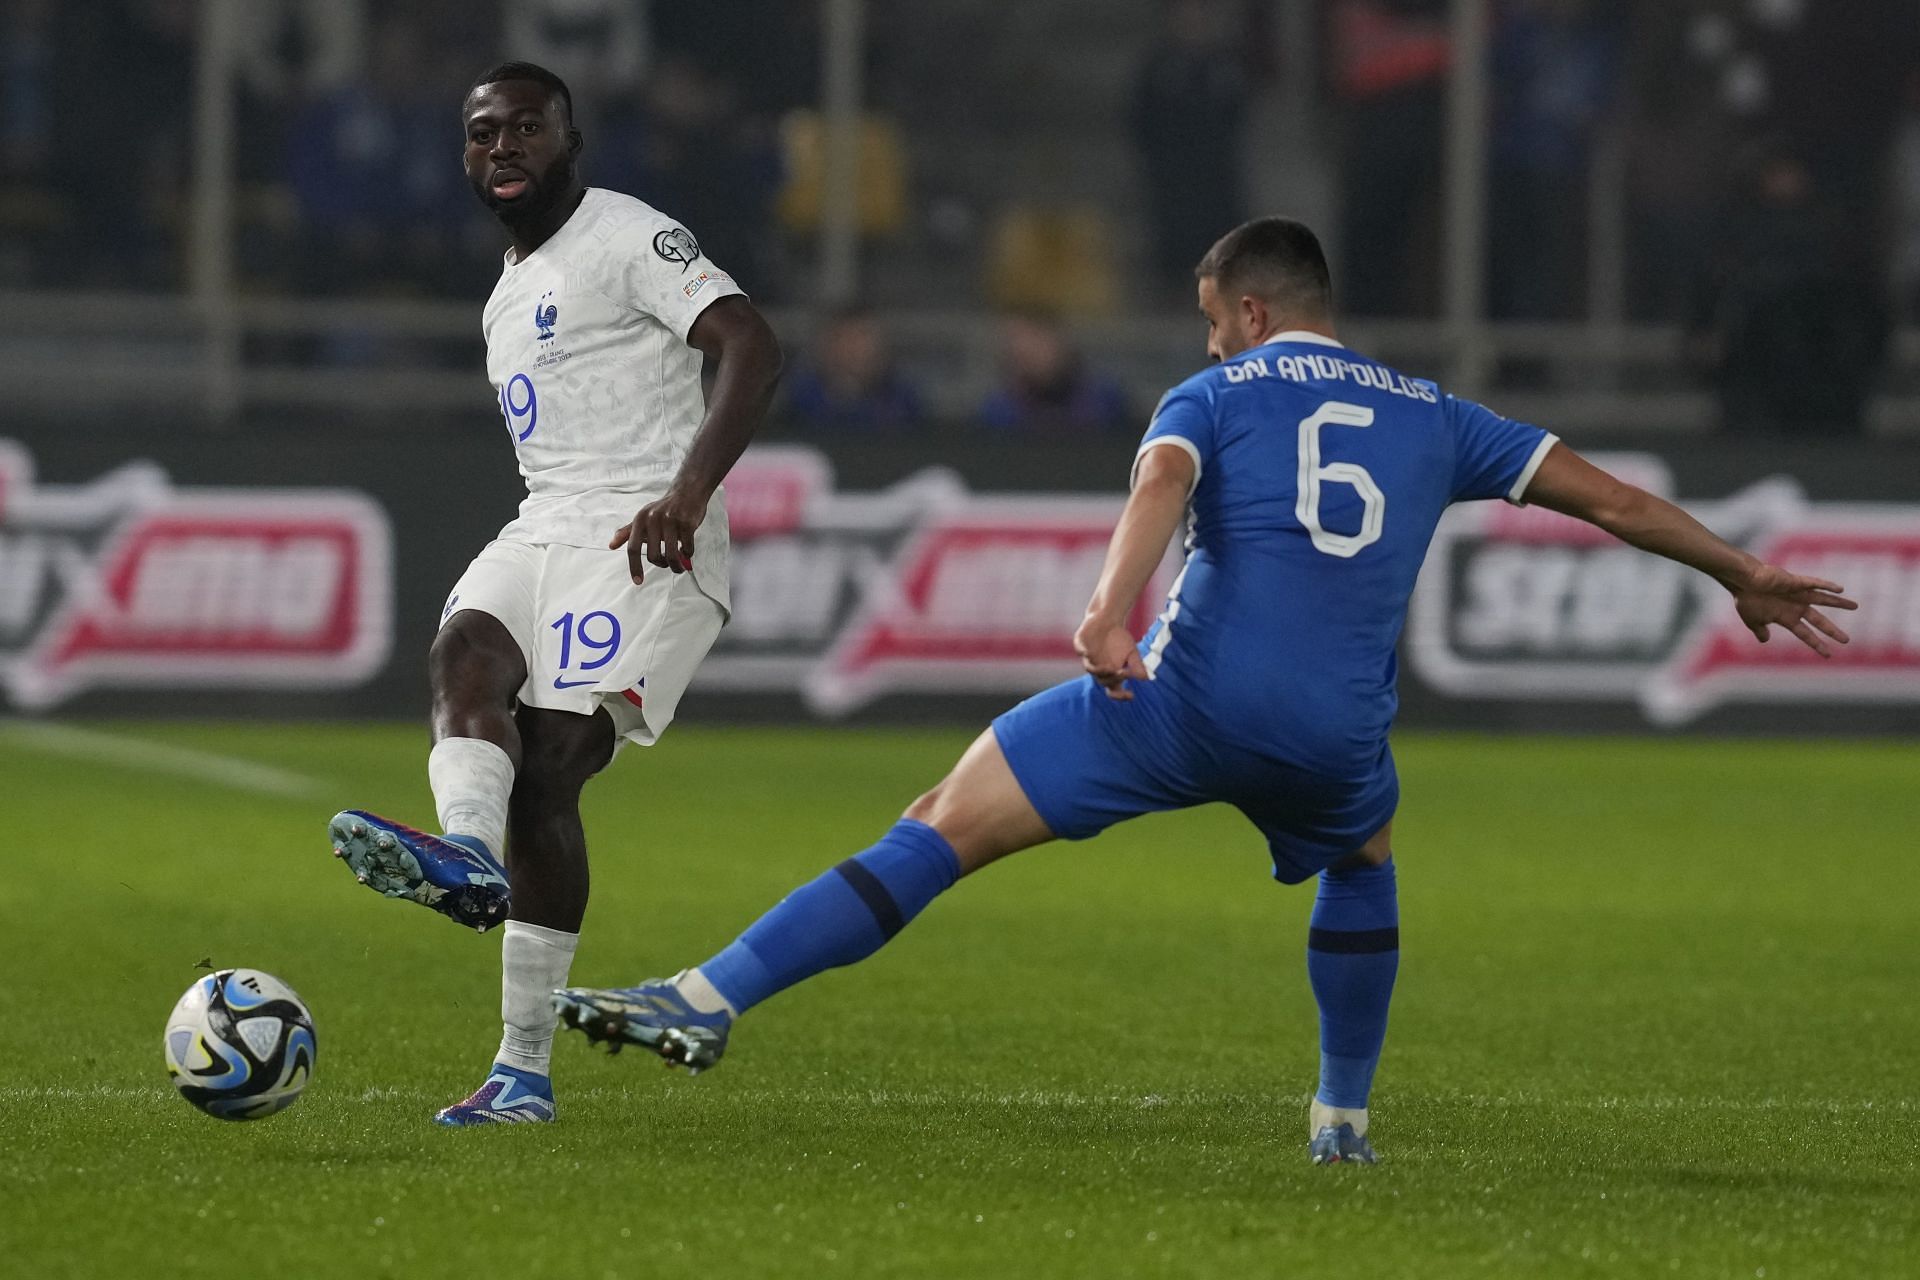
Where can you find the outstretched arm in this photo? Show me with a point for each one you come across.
(1163, 478)
(746, 359)
(1765, 595)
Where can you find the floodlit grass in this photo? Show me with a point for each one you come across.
(1657, 1015)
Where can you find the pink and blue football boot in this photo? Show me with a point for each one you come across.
(455, 875)
(510, 1096)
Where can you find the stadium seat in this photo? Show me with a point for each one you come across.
(1053, 259)
(881, 202)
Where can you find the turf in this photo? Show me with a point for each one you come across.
(1656, 1016)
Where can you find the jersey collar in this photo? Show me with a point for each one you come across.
(1301, 335)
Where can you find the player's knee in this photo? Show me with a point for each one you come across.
(560, 751)
(468, 661)
(1375, 856)
(927, 807)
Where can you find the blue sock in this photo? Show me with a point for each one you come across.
(1353, 952)
(842, 916)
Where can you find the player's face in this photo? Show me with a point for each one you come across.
(520, 150)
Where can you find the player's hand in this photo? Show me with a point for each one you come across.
(1111, 655)
(661, 534)
(1772, 597)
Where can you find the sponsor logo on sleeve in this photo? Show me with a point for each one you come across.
(694, 287)
(128, 581)
(1522, 603)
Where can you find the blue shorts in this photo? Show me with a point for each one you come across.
(1087, 762)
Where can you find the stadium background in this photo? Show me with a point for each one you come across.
(238, 246)
(1656, 1014)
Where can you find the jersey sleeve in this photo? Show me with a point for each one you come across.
(1493, 457)
(659, 269)
(1184, 420)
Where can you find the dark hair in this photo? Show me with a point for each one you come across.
(527, 71)
(1277, 259)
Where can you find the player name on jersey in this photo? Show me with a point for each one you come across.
(1312, 367)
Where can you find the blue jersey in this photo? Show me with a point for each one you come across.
(1321, 477)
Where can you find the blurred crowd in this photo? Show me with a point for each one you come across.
(347, 154)
(1756, 164)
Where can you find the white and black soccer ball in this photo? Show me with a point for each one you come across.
(240, 1045)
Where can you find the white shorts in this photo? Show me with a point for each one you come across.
(590, 637)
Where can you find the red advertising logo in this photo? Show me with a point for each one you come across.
(1523, 603)
(923, 587)
(130, 582)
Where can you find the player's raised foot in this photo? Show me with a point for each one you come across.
(652, 1015)
(454, 875)
(510, 1096)
(1339, 1144)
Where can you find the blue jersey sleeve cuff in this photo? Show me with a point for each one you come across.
(1517, 494)
(1178, 442)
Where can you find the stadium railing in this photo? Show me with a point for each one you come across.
(85, 355)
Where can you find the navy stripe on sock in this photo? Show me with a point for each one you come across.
(886, 912)
(1353, 942)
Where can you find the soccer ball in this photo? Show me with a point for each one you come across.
(240, 1045)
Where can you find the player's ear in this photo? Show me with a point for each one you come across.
(575, 141)
(1253, 310)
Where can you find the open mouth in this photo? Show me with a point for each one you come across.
(508, 184)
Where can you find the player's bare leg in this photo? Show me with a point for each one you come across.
(475, 669)
(1353, 954)
(548, 867)
(976, 815)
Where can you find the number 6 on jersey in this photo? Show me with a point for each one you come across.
(1313, 474)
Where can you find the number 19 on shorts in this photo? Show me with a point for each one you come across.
(596, 633)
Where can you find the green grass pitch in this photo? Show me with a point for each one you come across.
(1658, 1014)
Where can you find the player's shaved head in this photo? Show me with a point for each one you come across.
(554, 85)
(1276, 260)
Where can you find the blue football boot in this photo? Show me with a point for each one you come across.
(1338, 1145)
(454, 875)
(651, 1015)
(510, 1096)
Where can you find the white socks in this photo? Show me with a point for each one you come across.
(533, 961)
(701, 994)
(1321, 1116)
(472, 780)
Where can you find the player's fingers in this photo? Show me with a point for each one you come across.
(1134, 667)
(636, 562)
(1119, 692)
(1828, 600)
(1808, 637)
(1759, 630)
(1827, 626)
(620, 537)
(659, 542)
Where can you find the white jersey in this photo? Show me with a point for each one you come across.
(587, 351)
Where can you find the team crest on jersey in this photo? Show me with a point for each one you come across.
(675, 244)
(544, 318)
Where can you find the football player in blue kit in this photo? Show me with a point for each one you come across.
(1312, 479)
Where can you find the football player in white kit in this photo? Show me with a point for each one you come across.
(579, 627)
